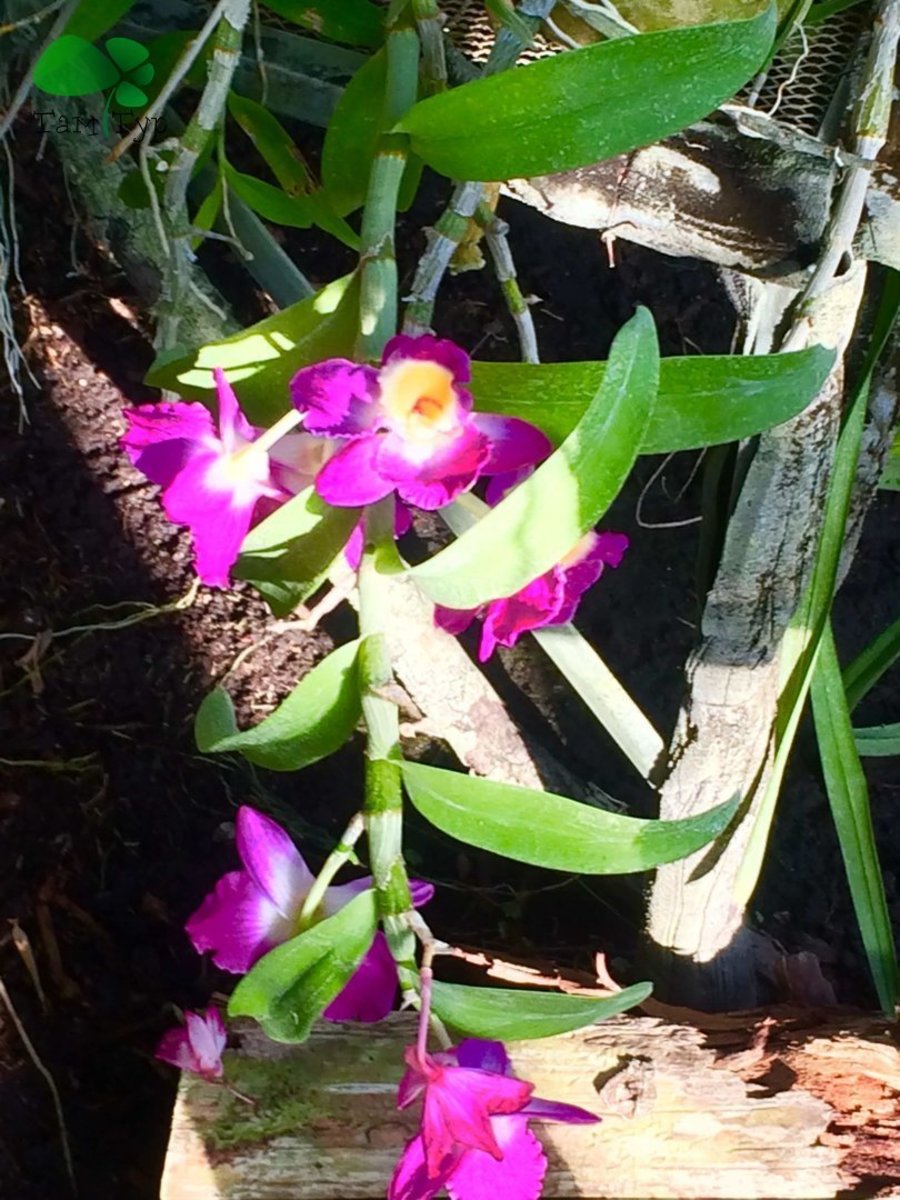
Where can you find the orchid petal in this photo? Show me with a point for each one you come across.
(370, 992)
(411, 1180)
(517, 1175)
(421, 892)
(481, 1054)
(534, 606)
(554, 1110)
(234, 428)
(457, 1110)
(600, 550)
(198, 1046)
(272, 861)
(218, 519)
(207, 1036)
(351, 478)
(337, 397)
(515, 444)
(454, 620)
(237, 923)
(162, 438)
(426, 346)
(430, 476)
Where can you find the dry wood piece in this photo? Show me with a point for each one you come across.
(794, 1104)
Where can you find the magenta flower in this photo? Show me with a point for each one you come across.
(408, 426)
(551, 599)
(197, 1046)
(474, 1138)
(215, 474)
(252, 910)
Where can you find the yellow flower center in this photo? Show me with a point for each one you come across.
(419, 399)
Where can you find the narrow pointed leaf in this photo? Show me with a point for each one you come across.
(71, 66)
(525, 535)
(554, 831)
(355, 22)
(587, 105)
(311, 723)
(849, 800)
(877, 741)
(273, 142)
(288, 989)
(702, 401)
(295, 211)
(260, 360)
(868, 667)
(512, 1014)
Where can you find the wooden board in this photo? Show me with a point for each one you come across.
(746, 1107)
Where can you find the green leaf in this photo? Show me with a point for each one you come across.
(553, 831)
(92, 18)
(71, 66)
(877, 741)
(588, 105)
(127, 54)
(849, 800)
(287, 556)
(298, 212)
(355, 22)
(273, 142)
(261, 360)
(525, 535)
(702, 400)
(206, 215)
(352, 138)
(865, 670)
(288, 989)
(890, 477)
(515, 1015)
(311, 723)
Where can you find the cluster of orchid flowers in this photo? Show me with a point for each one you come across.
(406, 428)
(473, 1137)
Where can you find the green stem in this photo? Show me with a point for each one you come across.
(383, 804)
(378, 294)
(427, 16)
(340, 855)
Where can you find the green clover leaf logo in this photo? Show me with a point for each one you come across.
(73, 66)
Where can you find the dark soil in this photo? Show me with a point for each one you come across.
(113, 827)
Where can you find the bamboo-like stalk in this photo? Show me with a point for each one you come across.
(378, 293)
(495, 234)
(430, 27)
(383, 805)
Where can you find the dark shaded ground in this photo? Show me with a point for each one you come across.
(112, 827)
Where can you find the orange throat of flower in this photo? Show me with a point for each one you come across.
(419, 399)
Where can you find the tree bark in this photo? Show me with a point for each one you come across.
(796, 1104)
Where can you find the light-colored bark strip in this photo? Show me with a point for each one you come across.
(681, 1113)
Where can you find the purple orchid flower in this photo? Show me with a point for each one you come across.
(551, 599)
(196, 1047)
(474, 1139)
(216, 475)
(252, 910)
(408, 426)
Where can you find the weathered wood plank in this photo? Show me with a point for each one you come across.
(747, 1107)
